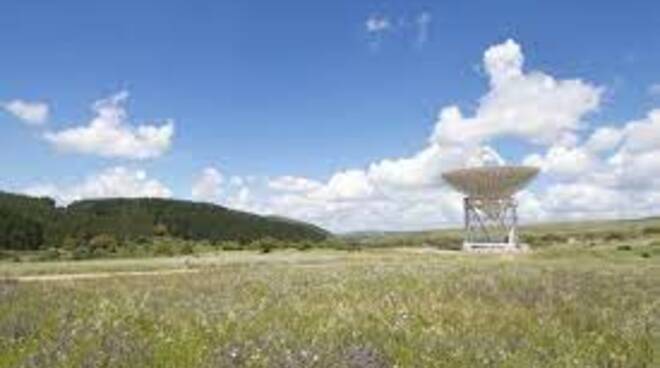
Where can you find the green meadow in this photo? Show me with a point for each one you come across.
(561, 305)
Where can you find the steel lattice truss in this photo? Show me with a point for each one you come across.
(490, 221)
(490, 210)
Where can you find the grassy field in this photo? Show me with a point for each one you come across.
(562, 306)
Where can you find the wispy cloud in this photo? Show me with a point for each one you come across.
(423, 22)
(415, 28)
(377, 24)
(654, 90)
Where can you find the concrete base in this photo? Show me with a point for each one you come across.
(495, 247)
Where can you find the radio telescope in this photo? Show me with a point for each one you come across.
(491, 220)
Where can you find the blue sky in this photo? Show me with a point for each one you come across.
(259, 90)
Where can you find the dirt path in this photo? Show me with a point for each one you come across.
(100, 275)
(184, 267)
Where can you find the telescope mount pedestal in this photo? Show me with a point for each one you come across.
(491, 224)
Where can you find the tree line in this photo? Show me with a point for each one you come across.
(28, 223)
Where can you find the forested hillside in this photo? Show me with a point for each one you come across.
(31, 223)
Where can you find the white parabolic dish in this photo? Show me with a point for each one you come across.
(490, 181)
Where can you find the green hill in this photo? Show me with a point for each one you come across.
(29, 222)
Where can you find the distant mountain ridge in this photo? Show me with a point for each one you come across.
(30, 222)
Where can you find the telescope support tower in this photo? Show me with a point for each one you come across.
(490, 224)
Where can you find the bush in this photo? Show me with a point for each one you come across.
(446, 243)
(588, 236)
(266, 249)
(187, 248)
(231, 246)
(651, 230)
(103, 244)
(131, 249)
(100, 253)
(70, 243)
(346, 245)
(163, 249)
(335, 243)
(160, 230)
(303, 246)
(81, 253)
(542, 240)
(550, 238)
(50, 254)
(646, 255)
(614, 236)
(266, 245)
(9, 256)
(624, 247)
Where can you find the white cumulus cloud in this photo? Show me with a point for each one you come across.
(32, 113)
(345, 185)
(614, 171)
(424, 168)
(528, 105)
(293, 184)
(604, 139)
(565, 162)
(208, 185)
(115, 182)
(109, 134)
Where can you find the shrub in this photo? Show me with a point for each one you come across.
(50, 254)
(544, 239)
(651, 230)
(303, 246)
(646, 255)
(130, 249)
(4, 255)
(231, 246)
(335, 243)
(163, 249)
(187, 248)
(81, 253)
(588, 236)
(160, 230)
(614, 236)
(9, 256)
(101, 253)
(530, 239)
(624, 247)
(103, 244)
(348, 245)
(266, 245)
(446, 243)
(265, 249)
(70, 243)
(550, 238)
